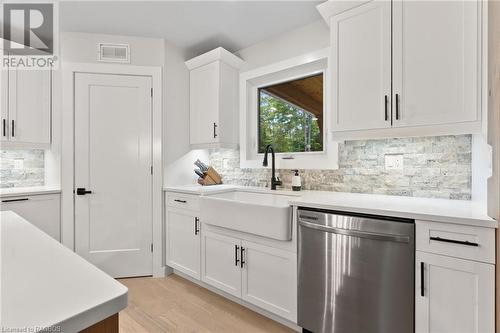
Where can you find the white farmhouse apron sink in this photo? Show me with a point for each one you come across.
(261, 213)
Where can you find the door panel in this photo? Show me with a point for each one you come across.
(219, 267)
(458, 295)
(204, 103)
(4, 105)
(436, 61)
(112, 159)
(361, 44)
(30, 105)
(270, 279)
(183, 242)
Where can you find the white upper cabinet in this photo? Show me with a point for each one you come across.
(4, 105)
(26, 102)
(436, 72)
(361, 71)
(214, 99)
(429, 84)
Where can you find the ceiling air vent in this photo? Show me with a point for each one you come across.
(114, 52)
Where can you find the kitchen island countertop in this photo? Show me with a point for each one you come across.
(45, 285)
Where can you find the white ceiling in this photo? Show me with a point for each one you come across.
(197, 26)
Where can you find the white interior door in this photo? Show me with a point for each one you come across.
(361, 58)
(113, 156)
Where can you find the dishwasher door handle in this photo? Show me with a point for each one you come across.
(356, 233)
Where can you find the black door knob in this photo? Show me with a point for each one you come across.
(82, 191)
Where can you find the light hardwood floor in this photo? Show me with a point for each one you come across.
(174, 304)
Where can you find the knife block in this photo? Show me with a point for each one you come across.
(211, 177)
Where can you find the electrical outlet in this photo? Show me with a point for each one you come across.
(394, 162)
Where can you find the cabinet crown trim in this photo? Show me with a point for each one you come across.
(218, 54)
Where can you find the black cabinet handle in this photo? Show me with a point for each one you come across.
(386, 101)
(397, 106)
(82, 191)
(4, 127)
(236, 260)
(13, 126)
(196, 229)
(181, 201)
(242, 256)
(446, 240)
(422, 265)
(215, 130)
(14, 200)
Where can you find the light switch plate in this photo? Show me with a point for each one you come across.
(394, 162)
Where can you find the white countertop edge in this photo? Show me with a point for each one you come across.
(303, 199)
(81, 310)
(196, 189)
(94, 315)
(25, 191)
(484, 223)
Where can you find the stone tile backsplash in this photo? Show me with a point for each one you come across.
(22, 168)
(435, 167)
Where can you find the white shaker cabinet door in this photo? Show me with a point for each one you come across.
(183, 242)
(361, 67)
(436, 47)
(4, 105)
(30, 106)
(270, 279)
(220, 265)
(453, 295)
(204, 104)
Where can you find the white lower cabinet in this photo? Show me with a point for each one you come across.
(261, 275)
(269, 280)
(453, 295)
(221, 266)
(183, 241)
(41, 210)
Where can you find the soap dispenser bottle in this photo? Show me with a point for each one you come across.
(296, 181)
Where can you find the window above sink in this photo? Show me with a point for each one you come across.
(291, 115)
(284, 104)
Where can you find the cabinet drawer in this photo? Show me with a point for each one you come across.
(460, 241)
(184, 201)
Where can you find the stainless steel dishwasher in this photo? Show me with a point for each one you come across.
(355, 273)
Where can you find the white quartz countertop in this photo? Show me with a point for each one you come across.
(33, 190)
(46, 285)
(428, 209)
(198, 189)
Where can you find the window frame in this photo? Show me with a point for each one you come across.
(259, 89)
(288, 70)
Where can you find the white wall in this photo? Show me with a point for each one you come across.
(311, 37)
(177, 157)
(494, 112)
(82, 47)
